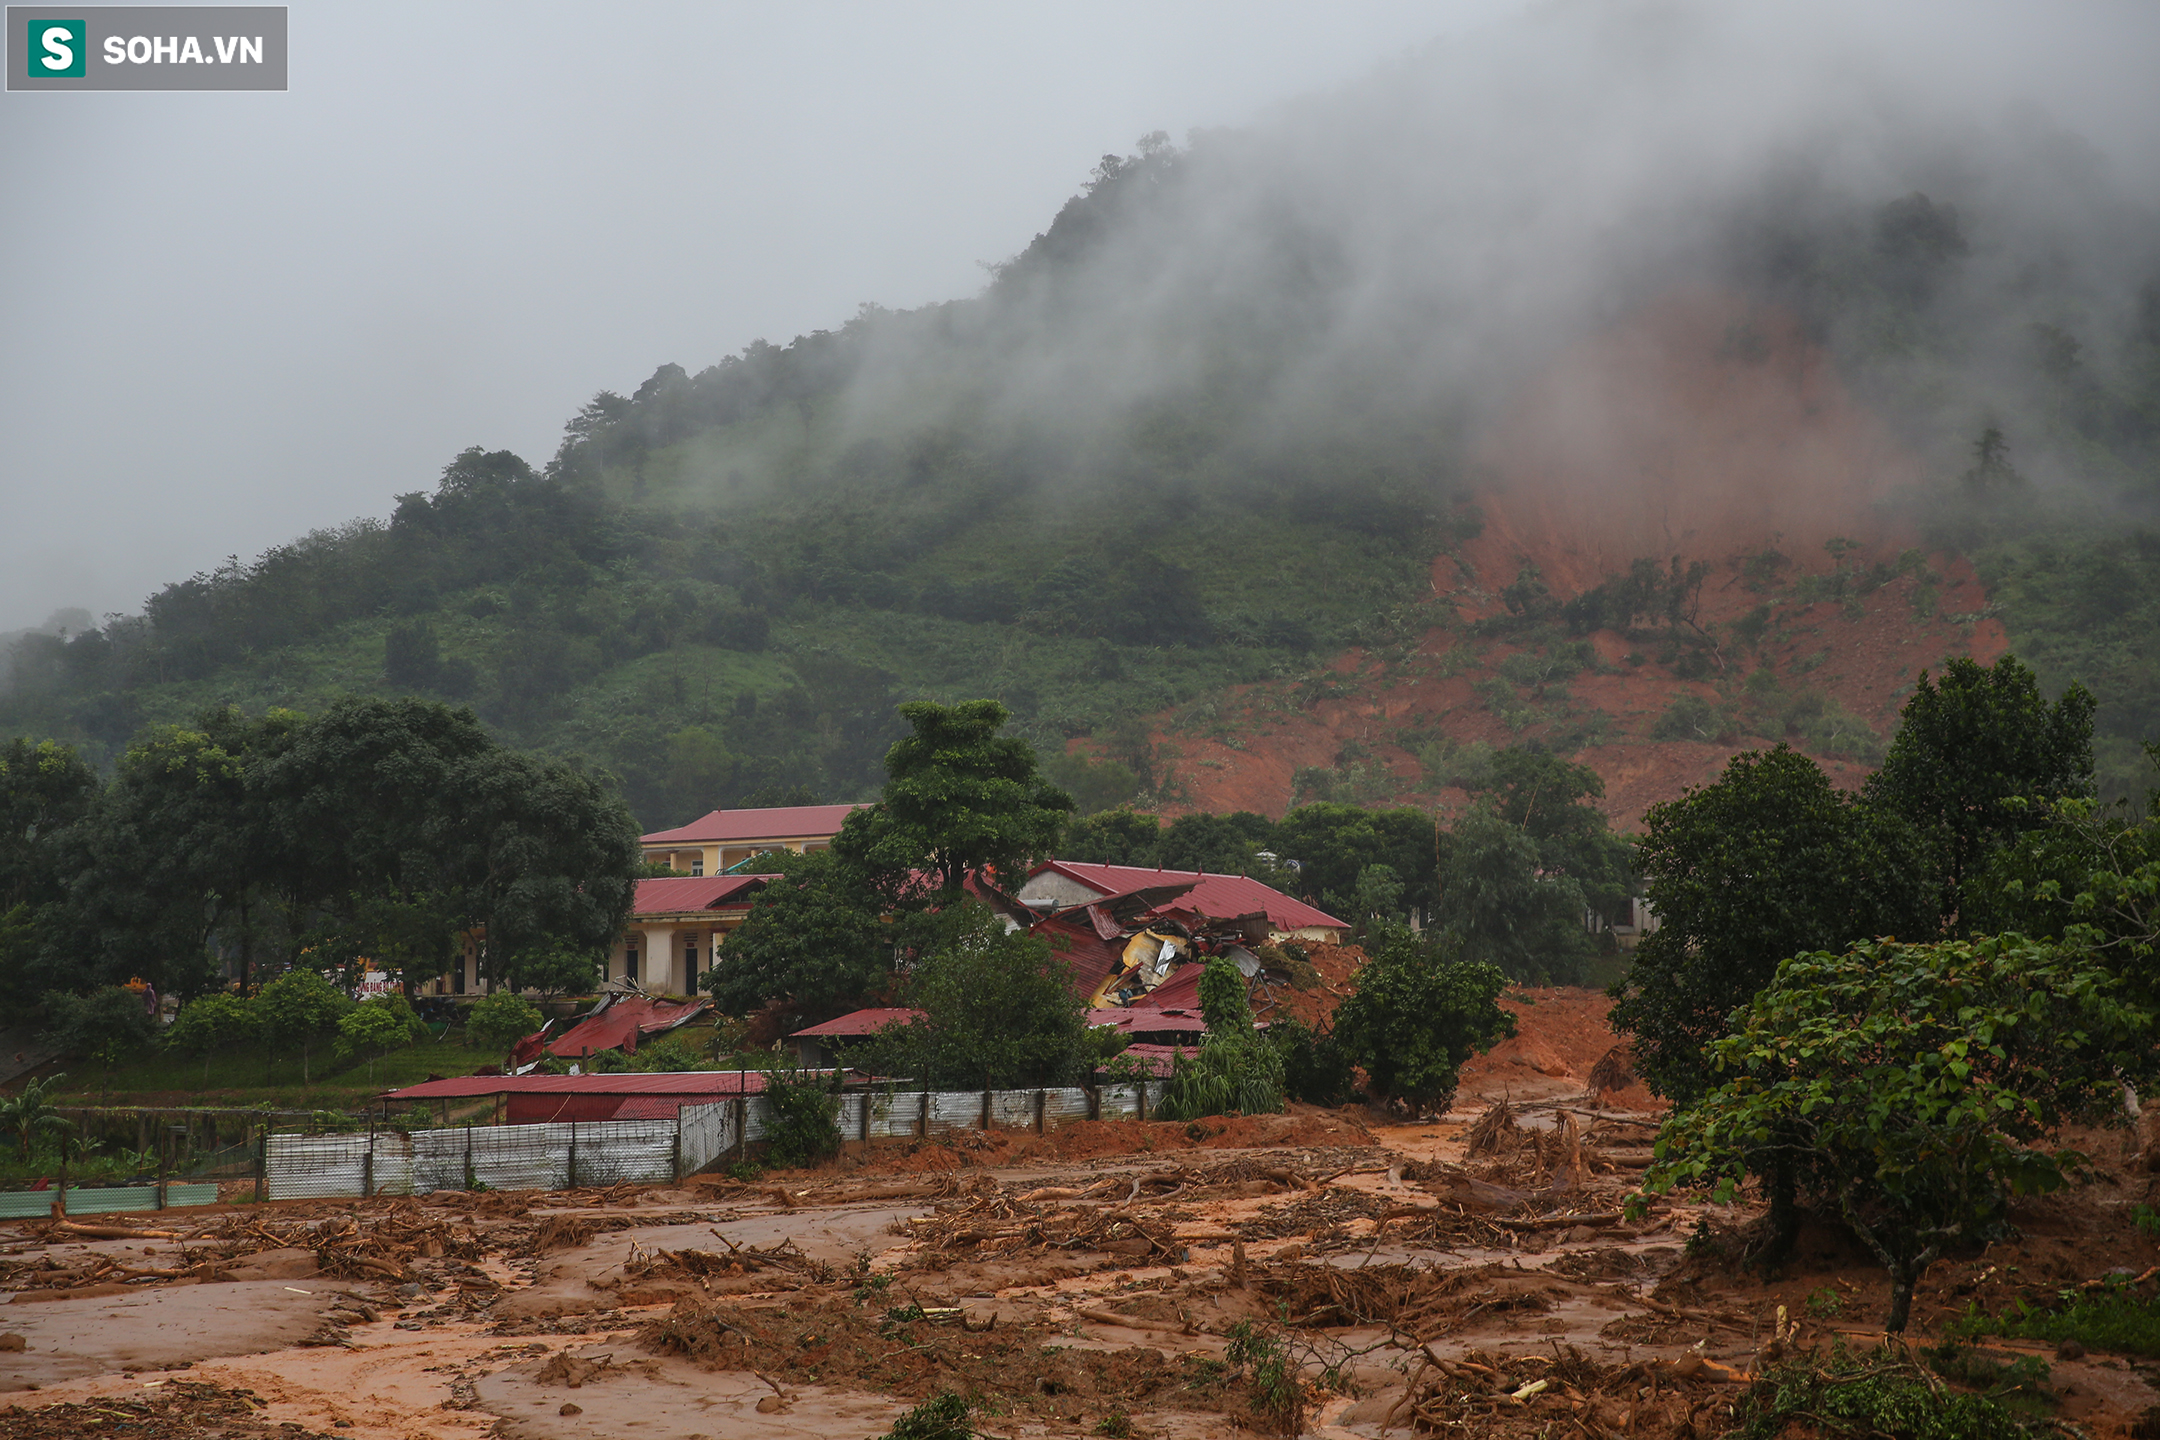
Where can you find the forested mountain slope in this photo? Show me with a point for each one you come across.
(1284, 465)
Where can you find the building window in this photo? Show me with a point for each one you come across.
(689, 965)
(457, 977)
(697, 865)
(629, 964)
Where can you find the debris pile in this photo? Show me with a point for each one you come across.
(1561, 1392)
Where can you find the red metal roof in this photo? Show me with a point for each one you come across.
(672, 895)
(1220, 896)
(1091, 958)
(778, 822)
(1157, 1060)
(1180, 990)
(1147, 1020)
(614, 1027)
(862, 1022)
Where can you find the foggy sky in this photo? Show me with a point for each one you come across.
(235, 318)
(256, 314)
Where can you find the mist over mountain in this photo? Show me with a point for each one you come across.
(1273, 467)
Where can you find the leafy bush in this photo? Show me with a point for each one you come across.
(801, 1116)
(1881, 1396)
(1418, 1013)
(108, 1025)
(1277, 1398)
(298, 1011)
(500, 1019)
(212, 1024)
(1315, 1070)
(1235, 1070)
(941, 1417)
(376, 1027)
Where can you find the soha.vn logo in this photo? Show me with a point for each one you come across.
(59, 49)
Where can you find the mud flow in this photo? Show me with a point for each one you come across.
(1324, 1273)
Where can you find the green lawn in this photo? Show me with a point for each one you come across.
(249, 1078)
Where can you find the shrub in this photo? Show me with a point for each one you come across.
(298, 1011)
(376, 1027)
(941, 1417)
(1315, 1070)
(500, 1019)
(108, 1025)
(1235, 1070)
(801, 1117)
(1848, 1397)
(210, 1024)
(2113, 1318)
(1418, 1013)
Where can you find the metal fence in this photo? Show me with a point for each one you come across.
(563, 1155)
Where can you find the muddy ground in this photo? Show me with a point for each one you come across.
(1417, 1278)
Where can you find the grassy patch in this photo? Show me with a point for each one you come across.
(2114, 1319)
(251, 1078)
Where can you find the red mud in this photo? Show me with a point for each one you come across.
(1701, 429)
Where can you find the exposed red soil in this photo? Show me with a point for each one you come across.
(1700, 428)
(1561, 1032)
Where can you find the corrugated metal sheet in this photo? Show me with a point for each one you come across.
(103, 1199)
(1013, 1108)
(708, 1134)
(1061, 1107)
(772, 822)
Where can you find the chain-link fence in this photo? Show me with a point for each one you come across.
(561, 1155)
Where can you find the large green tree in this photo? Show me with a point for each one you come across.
(1914, 1089)
(999, 1010)
(1504, 907)
(958, 797)
(46, 791)
(1973, 748)
(815, 936)
(1769, 861)
(1419, 1011)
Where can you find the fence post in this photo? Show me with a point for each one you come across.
(922, 1117)
(862, 1128)
(742, 1124)
(367, 1162)
(1141, 1091)
(1042, 1110)
(678, 1145)
(470, 1177)
(573, 1155)
(164, 1168)
(262, 1163)
(1094, 1099)
(985, 1125)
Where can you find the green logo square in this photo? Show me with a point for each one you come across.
(59, 50)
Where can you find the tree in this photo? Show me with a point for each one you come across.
(958, 797)
(998, 1007)
(108, 1025)
(539, 853)
(375, 1027)
(44, 788)
(1968, 751)
(499, 1019)
(815, 935)
(29, 1114)
(1910, 1086)
(1769, 861)
(1502, 908)
(1418, 1012)
(1235, 1070)
(556, 970)
(298, 1011)
(1548, 799)
(1113, 837)
(802, 1112)
(212, 1024)
(1333, 843)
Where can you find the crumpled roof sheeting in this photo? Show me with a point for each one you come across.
(622, 1022)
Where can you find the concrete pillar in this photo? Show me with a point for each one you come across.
(659, 962)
